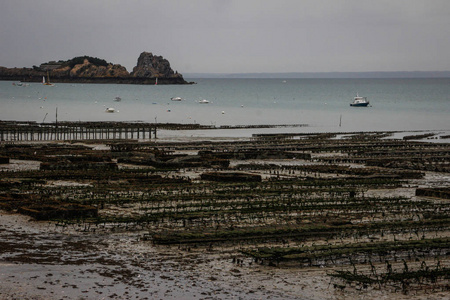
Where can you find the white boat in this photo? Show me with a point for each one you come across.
(110, 110)
(176, 98)
(117, 99)
(359, 101)
(204, 101)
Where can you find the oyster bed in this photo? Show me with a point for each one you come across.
(306, 216)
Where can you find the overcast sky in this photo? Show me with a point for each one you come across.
(232, 36)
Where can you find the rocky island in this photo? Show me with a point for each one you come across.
(150, 69)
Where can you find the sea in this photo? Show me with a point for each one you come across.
(318, 105)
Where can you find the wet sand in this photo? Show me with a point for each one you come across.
(40, 261)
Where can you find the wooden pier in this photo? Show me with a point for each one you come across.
(31, 131)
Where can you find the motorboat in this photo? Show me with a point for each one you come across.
(359, 101)
(110, 110)
(203, 101)
(176, 98)
(117, 99)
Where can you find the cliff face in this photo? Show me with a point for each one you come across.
(93, 70)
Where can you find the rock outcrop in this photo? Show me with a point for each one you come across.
(149, 65)
(87, 69)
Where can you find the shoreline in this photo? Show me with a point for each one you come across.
(109, 131)
(99, 80)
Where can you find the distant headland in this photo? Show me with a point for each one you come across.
(150, 69)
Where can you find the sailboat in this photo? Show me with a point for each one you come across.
(48, 80)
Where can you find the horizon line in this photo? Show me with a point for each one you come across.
(332, 74)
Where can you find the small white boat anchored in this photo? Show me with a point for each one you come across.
(176, 98)
(117, 99)
(203, 101)
(111, 110)
(359, 101)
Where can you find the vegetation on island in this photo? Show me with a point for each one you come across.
(80, 60)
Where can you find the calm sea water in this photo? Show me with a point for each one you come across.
(396, 104)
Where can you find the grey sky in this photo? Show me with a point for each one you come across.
(230, 36)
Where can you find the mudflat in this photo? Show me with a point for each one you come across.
(322, 216)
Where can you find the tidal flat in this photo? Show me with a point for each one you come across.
(274, 216)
